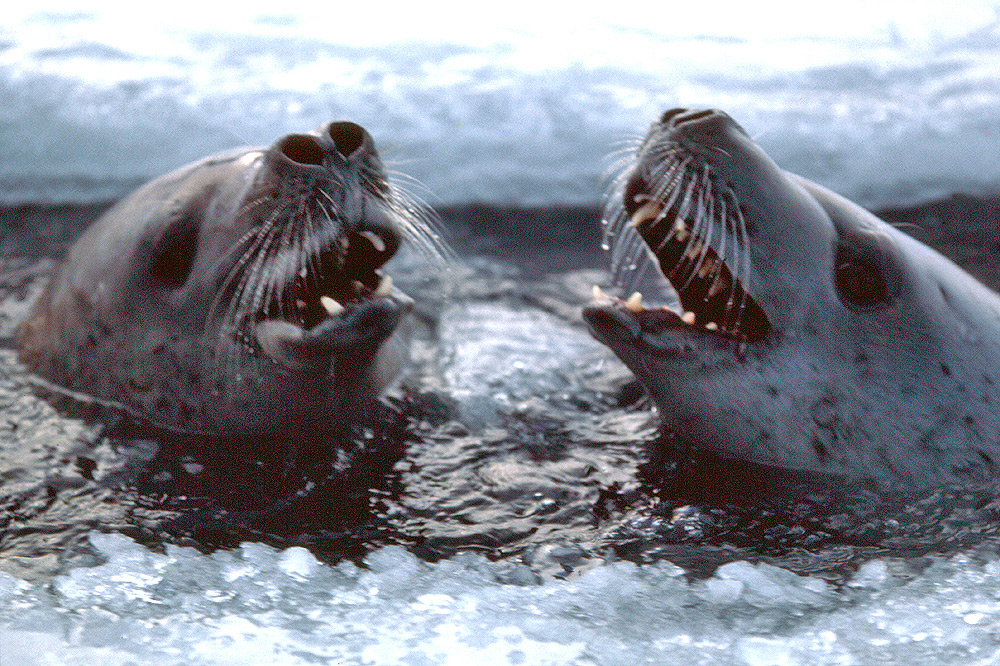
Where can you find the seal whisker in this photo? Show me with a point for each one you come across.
(337, 225)
(723, 236)
(703, 226)
(256, 237)
(420, 226)
(743, 268)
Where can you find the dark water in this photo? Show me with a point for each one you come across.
(513, 434)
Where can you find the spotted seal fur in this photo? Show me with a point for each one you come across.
(807, 334)
(239, 296)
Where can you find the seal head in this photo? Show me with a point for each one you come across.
(806, 333)
(241, 295)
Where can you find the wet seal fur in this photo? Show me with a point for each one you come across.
(807, 334)
(240, 296)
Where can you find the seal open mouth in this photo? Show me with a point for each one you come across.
(697, 233)
(339, 278)
(310, 272)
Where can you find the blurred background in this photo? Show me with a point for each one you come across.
(889, 103)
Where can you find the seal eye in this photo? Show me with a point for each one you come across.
(859, 279)
(173, 254)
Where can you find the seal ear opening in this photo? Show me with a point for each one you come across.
(174, 251)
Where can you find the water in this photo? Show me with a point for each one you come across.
(512, 514)
(886, 104)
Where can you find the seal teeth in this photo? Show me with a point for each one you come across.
(648, 211)
(332, 307)
(599, 294)
(634, 302)
(720, 283)
(384, 287)
(712, 326)
(694, 249)
(688, 317)
(374, 239)
(680, 231)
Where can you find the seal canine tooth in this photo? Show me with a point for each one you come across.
(694, 249)
(649, 211)
(688, 317)
(835, 344)
(374, 239)
(634, 302)
(720, 283)
(332, 307)
(384, 287)
(599, 294)
(680, 230)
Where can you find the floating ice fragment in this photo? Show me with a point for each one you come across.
(298, 562)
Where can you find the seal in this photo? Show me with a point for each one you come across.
(806, 333)
(239, 296)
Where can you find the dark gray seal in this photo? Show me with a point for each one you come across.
(807, 333)
(239, 296)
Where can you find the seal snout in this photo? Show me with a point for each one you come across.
(334, 145)
(706, 127)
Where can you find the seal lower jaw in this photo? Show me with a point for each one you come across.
(331, 300)
(656, 332)
(364, 325)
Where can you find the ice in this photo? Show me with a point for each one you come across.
(899, 106)
(259, 605)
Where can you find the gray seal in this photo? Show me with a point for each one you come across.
(806, 334)
(239, 296)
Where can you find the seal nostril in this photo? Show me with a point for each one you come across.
(695, 115)
(301, 148)
(670, 114)
(347, 137)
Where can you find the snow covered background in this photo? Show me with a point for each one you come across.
(515, 103)
(521, 102)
